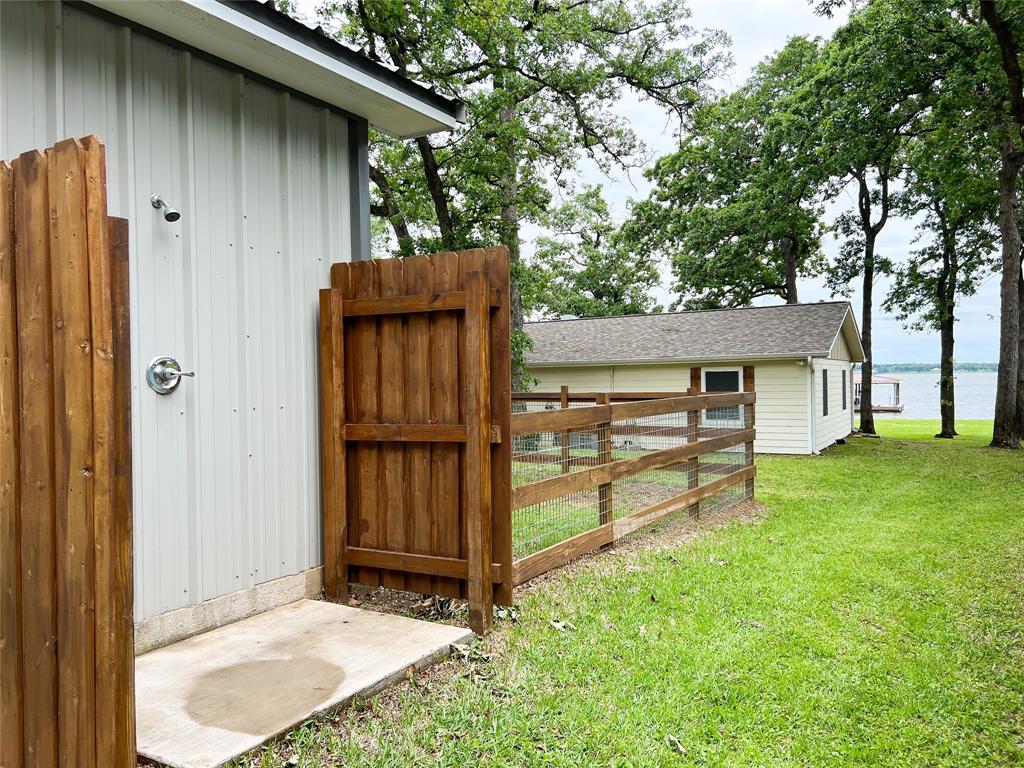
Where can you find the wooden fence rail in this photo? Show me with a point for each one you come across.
(66, 655)
(601, 471)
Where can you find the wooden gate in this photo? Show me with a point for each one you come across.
(416, 399)
(66, 655)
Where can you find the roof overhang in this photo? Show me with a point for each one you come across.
(267, 43)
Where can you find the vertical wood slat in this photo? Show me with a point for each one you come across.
(101, 320)
(73, 455)
(693, 422)
(393, 385)
(564, 437)
(478, 453)
(332, 459)
(341, 281)
(38, 534)
(445, 396)
(748, 418)
(418, 279)
(118, 693)
(604, 456)
(472, 260)
(497, 260)
(11, 700)
(362, 369)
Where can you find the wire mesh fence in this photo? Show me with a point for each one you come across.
(617, 464)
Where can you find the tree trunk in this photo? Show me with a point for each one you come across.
(390, 210)
(867, 416)
(945, 303)
(787, 246)
(510, 239)
(947, 400)
(432, 174)
(1004, 426)
(1020, 357)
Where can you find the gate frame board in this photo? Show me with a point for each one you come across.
(415, 382)
(67, 657)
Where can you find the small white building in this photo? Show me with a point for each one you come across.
(803, 357)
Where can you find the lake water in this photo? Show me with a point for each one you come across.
(975, 395)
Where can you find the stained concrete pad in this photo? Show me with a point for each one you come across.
(204, 701)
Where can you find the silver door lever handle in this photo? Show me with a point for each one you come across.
(170, 373)
(164, 374)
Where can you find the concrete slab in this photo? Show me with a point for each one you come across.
(204, 701)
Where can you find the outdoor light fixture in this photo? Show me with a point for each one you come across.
(170, 212)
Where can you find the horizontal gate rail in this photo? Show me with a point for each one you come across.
(450, 567)
(426, 302)
(413, 433)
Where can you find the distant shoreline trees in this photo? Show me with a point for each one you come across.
(885, 368)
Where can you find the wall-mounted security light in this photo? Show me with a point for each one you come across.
(170, 212)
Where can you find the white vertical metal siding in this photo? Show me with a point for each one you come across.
(226, 468)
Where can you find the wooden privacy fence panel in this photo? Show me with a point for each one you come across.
(416, 392)
(584, 476)
(66, 649)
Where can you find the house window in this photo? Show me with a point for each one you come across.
(722, 381)
(845, 374)
(824, 391)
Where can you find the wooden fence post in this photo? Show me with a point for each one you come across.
(565, 435)
(693, 422)
(604, 456)
(478, 453)
(11, 698)
(332, 457)
(748, 423)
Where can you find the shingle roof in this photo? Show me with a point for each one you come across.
(782, 331)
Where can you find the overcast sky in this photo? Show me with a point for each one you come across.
(758, 28)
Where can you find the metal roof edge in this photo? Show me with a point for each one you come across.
(266, 13)
(340, 67)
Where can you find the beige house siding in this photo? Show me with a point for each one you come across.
(597, 378)
(781, 417)
(840, 349)
(839, 421)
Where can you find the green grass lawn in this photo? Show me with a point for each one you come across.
(875, 617)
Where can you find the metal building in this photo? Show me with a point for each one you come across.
(254, 127)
